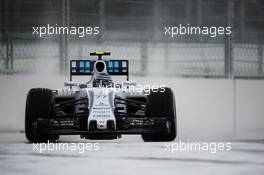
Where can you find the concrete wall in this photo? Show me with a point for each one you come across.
(206, 108)
(249, 108)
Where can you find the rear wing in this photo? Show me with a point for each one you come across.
(86, 67)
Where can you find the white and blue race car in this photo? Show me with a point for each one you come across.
(100, 108)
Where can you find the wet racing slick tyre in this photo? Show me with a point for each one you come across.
(161, 103)
(39, 104)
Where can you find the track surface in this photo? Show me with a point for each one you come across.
(128, 155)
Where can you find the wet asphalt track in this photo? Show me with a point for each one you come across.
(128, 155)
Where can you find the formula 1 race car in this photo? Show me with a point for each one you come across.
(100, 108)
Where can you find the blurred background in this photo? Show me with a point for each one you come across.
(135, 29)
(218, 82)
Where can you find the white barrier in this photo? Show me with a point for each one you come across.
(206, 108)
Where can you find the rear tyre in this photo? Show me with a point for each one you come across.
(162, 104)
(40, 104)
